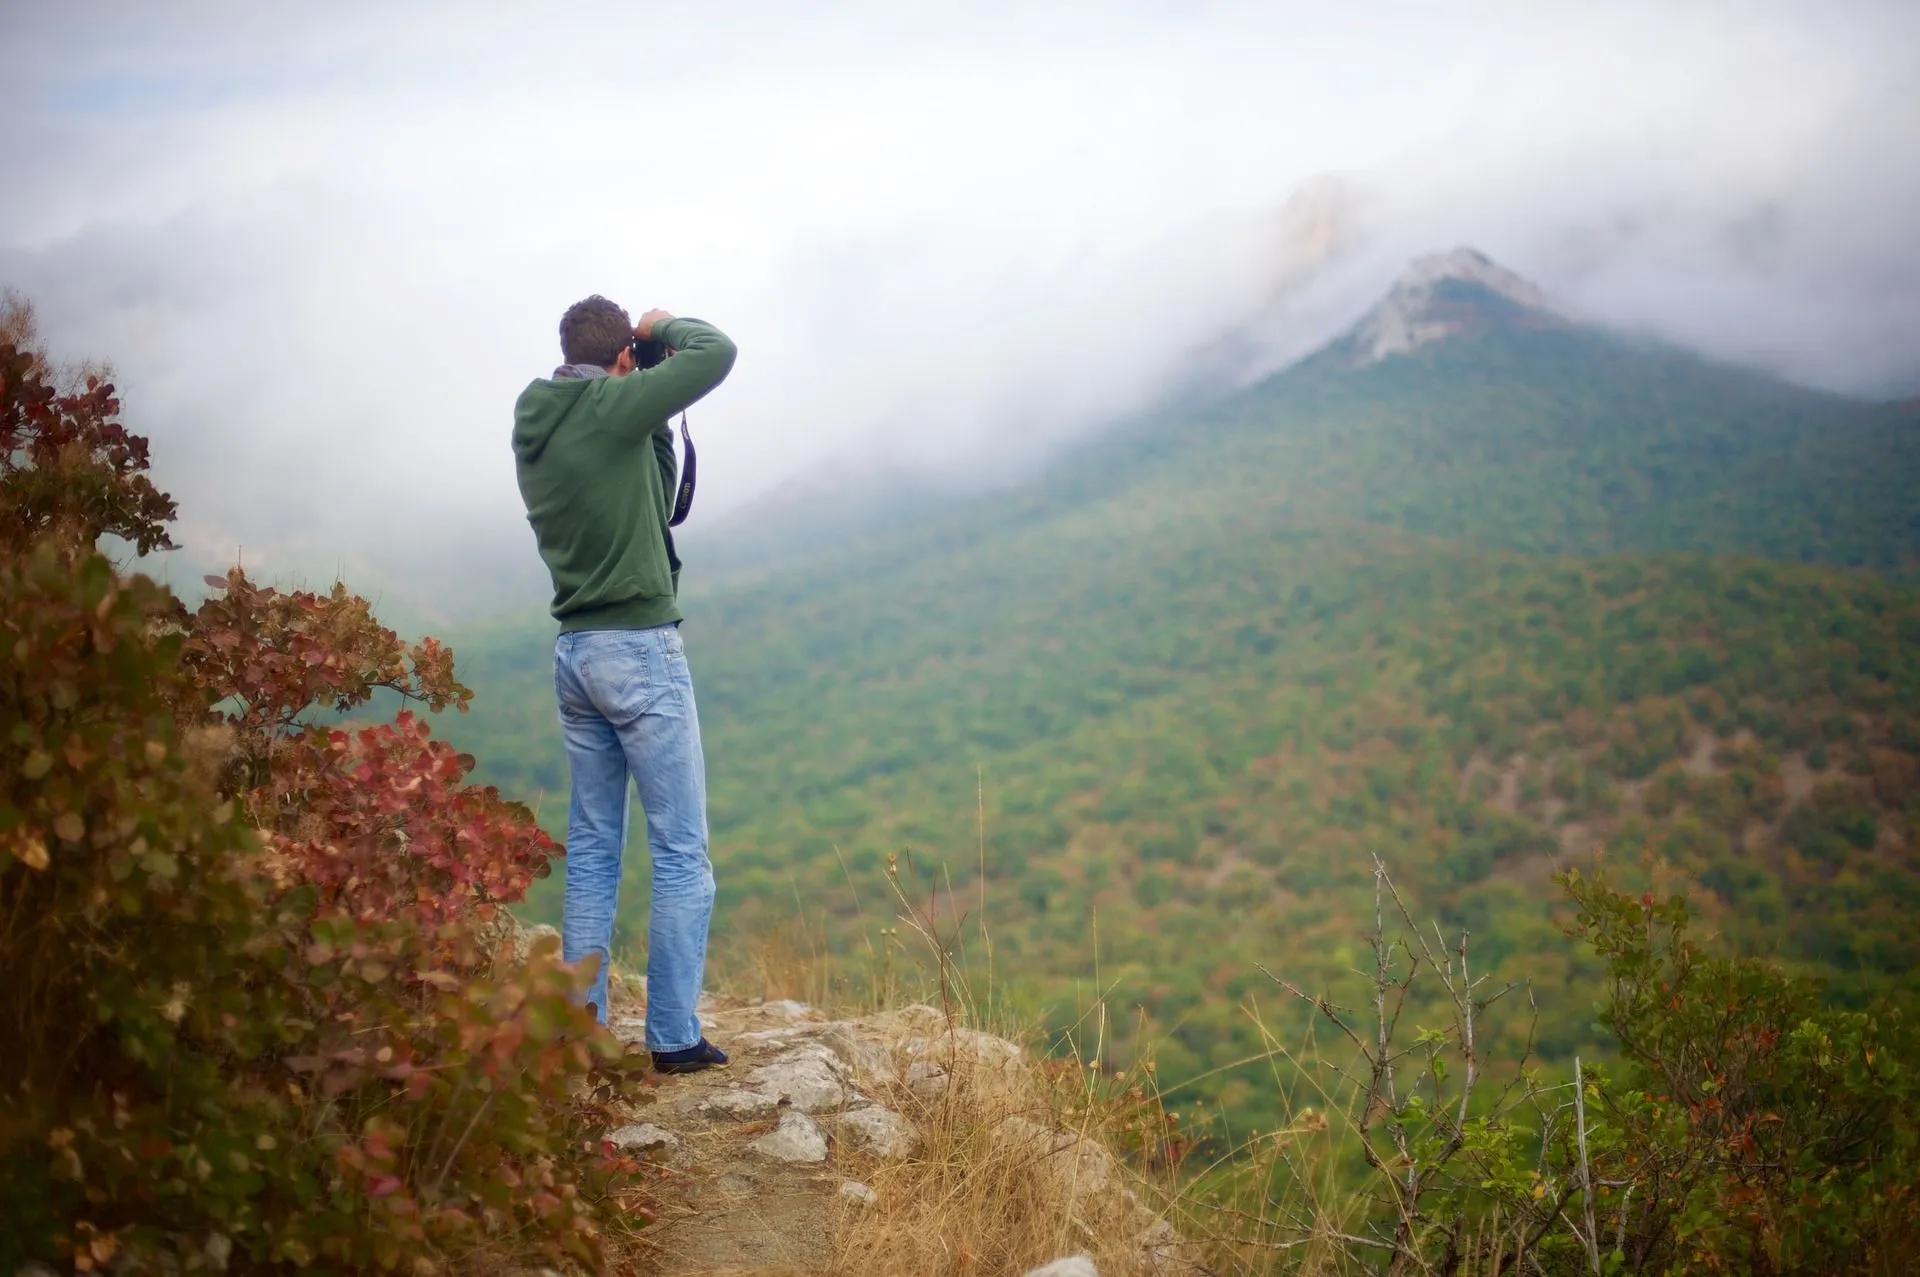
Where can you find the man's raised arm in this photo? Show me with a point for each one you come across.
(703, 357)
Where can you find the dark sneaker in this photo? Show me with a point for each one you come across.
(701, 1055)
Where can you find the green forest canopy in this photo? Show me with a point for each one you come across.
(1478, 610)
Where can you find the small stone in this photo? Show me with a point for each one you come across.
(918, 1019)
(786, 1009)
(645, 1137)
(984, 1048)
(807, 1077)
(878, 1131)
(797, 1139)
(926, 1080)
(857, 1193)
(968, 1046)
(1086, 1166)
(1161, 1241)
(1083, 1166)
(866, 1059)
(1071, 1266)
(1165, 1250)
(524, 938)
(1028, 1135)
(742, 1106)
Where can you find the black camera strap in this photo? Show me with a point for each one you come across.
(683, 497)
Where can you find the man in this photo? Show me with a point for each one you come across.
(595, 457)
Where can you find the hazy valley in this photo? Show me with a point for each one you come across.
(1476, 589)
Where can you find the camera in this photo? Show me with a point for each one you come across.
(649, 352)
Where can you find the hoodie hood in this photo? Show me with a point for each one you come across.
(542, 409)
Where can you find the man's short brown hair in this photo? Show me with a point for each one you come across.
(594, 332)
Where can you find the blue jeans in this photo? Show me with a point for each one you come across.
(626, 709)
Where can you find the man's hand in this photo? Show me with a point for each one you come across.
(644, 329)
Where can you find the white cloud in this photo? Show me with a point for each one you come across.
(327, 246)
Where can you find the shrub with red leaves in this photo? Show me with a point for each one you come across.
(255, 1010)
(390, 828)
(69, 471)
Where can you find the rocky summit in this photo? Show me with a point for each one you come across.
(1438, 296)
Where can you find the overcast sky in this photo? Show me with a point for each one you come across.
(326, 245)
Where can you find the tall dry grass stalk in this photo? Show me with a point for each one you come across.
(1034, 1148)
(998, 1186)
(1017, 1165)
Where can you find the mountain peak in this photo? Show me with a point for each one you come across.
(1441, 295)
(1472, 266)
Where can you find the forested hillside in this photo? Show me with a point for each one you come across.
(1481, 609)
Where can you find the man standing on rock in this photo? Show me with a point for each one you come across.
(594, 452)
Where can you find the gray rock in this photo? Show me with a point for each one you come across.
(645, 1137)
(1083, 1166)
(1071, 1266)
(926, 1080)
(865, 1058)
(797, 1139)
(878, 1131)
(969, 1045)
(1028, 1135)
(856, 1192)
(741, 1106)
(524, 938)
(1086, 1166)
(919, 1019)
(807, 1077)
(786, 1009)
(1162, 1243)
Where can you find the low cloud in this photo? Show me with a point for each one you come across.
(325, 250)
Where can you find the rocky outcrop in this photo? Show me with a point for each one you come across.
(1439, 296)
(763, 1149)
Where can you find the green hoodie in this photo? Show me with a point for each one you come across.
(595, 459)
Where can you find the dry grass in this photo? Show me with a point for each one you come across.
(1019, 1164)
(1028, 1154)
(1015, 1169)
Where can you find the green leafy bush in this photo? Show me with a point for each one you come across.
(1748, 1126)
(1740, 1123)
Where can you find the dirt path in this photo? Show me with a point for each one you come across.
(727, 1208)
